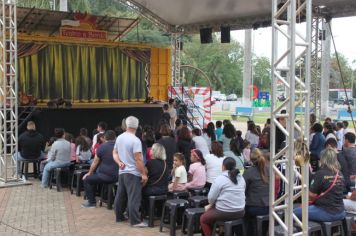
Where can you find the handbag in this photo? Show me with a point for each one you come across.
(164, 170)
(326, 191)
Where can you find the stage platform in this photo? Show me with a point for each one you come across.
(87, 115)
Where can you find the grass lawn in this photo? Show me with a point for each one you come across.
(259, 117)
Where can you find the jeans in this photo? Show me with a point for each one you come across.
(47, 169)
(319, 215)
(18, 157)
(91, 181)
(128, 196)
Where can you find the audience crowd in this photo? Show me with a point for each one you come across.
(233, 167)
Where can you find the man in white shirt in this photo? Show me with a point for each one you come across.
(339, 135)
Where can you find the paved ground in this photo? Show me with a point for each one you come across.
(31, 210)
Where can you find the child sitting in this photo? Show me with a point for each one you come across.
(179, 173)
(83, 153)
(197, 172)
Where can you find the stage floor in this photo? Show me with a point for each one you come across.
(100, 105)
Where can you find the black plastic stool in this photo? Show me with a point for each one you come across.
(198, 201)
(348, 223)
(181, 195)
(57, 173)
(229, 226)
(328, 226)
(260, 220)
(152, 207)
(174, 206)
(35, 165)
(110, 189)
(192, 216)
(77, 178)
(198, 191)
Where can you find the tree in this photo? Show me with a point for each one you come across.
(335, 76)
(261, 73)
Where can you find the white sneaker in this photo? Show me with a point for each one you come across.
(140, 225)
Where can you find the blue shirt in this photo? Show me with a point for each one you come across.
(107, 164)
(218, 133)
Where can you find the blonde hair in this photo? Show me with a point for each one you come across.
(328, 159)
(158, 152)
(259, 160)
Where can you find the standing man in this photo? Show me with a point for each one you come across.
(127, 154)
(172, 112)
(31, 145)
(101, 130)
(349, 153)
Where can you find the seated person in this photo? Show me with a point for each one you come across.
(69, 137)
(257, 188)
(31, 145)
(196, 173)
(226, 197)
(326, 190)
(58, 156)
(83, 153)
(350, 201)
(108, 169)
(157, 172)
(213, 163)
(179, 173)
(235, 153)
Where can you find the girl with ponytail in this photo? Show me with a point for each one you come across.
(226, 197)
(257, 187)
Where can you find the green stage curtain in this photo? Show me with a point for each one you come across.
(83, 73)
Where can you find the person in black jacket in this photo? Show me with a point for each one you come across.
(31, 145)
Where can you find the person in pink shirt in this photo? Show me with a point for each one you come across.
(69, 137)
(197, 172)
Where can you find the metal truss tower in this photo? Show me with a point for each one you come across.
(8, 91)
(297, 52)
(176, 42)
(318, 35)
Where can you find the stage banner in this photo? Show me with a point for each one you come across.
(197, 100)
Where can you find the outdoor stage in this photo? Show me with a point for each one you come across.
(87, 115)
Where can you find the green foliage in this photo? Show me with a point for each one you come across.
(261, 73)
(335, 76)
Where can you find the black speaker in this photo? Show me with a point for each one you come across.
(206, 35)
(225, 34)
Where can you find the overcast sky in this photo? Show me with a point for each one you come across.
(343, 30)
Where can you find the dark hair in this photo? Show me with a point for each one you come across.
(252, 128)
(217, 149)
(331, 142)
(230, 165)
(350, 137)
(51, 141)
(58, 132)
(148, 136)
(200, 155)
(69, 137)
(98, 138)
(196, 131)
(178, 122)
(110, 135)
(118, 130)
(328, 119)
(210, 130)
(171, 101)
(340, 125)
(165, 107)
(218, 124)
(185, 122)
(317, 127)
(346, 123)
(180, 157)
(80, 141)
(102, 125)
(165, 130)
(229, 130)
(184, 133)
(235, 146)
(329, 128)
(83, 131)
(225, 122)
(246, 143)
(268, 121)
(238, 133)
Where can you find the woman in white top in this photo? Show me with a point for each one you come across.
(83, 152)
(213, 163)
(252, 135)
(226, 197)
(200, 142)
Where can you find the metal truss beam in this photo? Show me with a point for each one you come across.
(8, 91)
(296, 53)
(176, 42)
